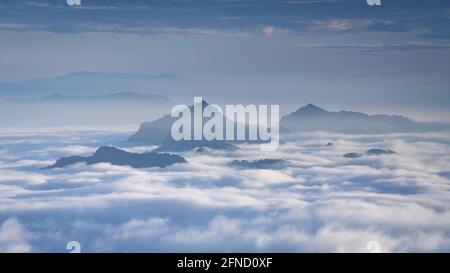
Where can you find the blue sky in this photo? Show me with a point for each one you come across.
(335, 53)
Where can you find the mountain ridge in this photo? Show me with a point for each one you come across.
(84, 83)
(313, 118)
(115, 156)
(120, 95)
(309, 118)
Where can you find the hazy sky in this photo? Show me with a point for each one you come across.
(335, 53)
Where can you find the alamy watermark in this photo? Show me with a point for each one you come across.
(233, 125)
(374, 247)
(373, 2)
(73, 2)
(73, 247)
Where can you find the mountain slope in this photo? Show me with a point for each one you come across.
(119, 157)
(313, 118)
(170, 145)
(157, 132)
(58, 109)
(114, 97)
(84, 83)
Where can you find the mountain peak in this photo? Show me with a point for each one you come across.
(55, 96)
(106, 149)
(204, 104)
(311, 108)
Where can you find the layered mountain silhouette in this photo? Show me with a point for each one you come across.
(119, 157)
(312, 118)
(158, 133)
(123, 97)
(59, 109)
(306, 119)
(154, 132)
(84, 83)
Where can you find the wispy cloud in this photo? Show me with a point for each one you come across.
(273, 30)
(233, 16)
(39, 4)
(348, 24)
(381, 47)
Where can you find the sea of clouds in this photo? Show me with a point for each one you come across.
(321, 202)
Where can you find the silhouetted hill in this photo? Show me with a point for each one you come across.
(376, 151)
(156, 132)
(122, 97)
(84, 83)
(119, 157)
(274, 164)
(170, 145)
(305, 119)
(58, 109)
(313, 118)
(370, 152)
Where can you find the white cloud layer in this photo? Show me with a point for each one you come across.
(320, 202)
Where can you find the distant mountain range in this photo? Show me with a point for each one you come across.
(119, 157)
(57, 109)
(312, 118)
(306, 119)
(123, 97)
(84, 83)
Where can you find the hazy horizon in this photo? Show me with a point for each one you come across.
(336, 54)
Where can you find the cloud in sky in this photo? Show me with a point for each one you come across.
(321, 202)
(271, 31)
(335, 15)
(350, 24)
(382, 47)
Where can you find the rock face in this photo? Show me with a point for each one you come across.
(312, 118)
(119, 157)
(274, 164)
